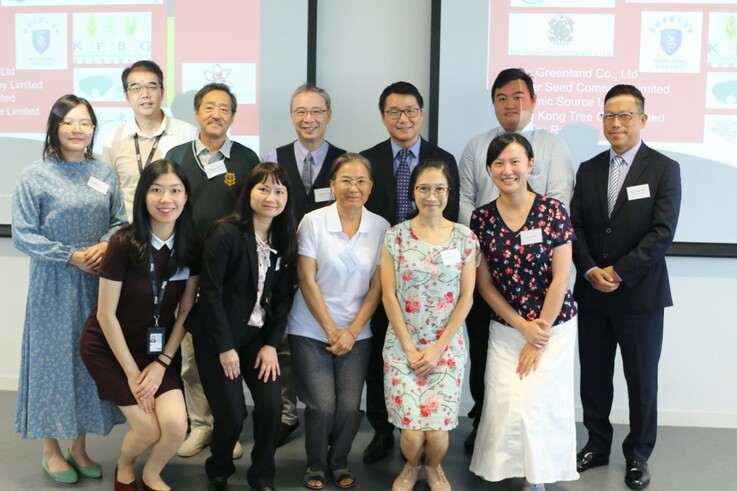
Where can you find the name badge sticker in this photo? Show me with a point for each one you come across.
(215, 169)
(278, 264)
(638, 192)
(451, 257)
(349, 260)
(323, 194)
(182, 274)
(98, 185)
(534, 236)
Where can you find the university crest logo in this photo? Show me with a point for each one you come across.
(229, 179)
(670, 40)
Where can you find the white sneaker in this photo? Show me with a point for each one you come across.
(197, 440)
(237, 451)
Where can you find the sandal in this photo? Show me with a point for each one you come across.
(311, 475)
(340, 475)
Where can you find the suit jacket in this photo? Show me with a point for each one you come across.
(304, 202)
(636, 237)
(228, 285)
(383, 198)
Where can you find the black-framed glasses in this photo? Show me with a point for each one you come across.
(623, 117)
(410, 112)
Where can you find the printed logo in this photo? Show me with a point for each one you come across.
(229, 179)
(560, 30)
(111, 37)
(40, 41)
(670, 40)
(218, 74)
(722, 47)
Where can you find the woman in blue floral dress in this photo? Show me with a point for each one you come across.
(65, 207)
(428, 269)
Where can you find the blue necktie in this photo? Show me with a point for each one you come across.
(401, 178)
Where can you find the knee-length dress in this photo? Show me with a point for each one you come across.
(58, 208)
(135, 312)
(428, 285)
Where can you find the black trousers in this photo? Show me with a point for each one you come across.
(376, 411)
(640, 340)
(477, 326)
(228, 406)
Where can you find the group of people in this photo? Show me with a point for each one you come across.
(179, 267)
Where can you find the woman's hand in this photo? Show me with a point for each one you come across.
(529, 359)
(149, 380)
(536, 333)
(267, 363)
(145, 402)
(231, 364)
(427, 361)
(93, 255)
(342, 342)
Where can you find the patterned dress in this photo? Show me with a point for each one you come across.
(56, 211)
(427, 290)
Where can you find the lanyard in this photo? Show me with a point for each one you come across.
(158, 295)
(150, 154)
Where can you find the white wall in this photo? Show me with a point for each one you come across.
(364, 46)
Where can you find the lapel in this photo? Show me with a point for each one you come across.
(425, 150)
(386, 171)
(602, 183)
(637, 167)
(251, 256)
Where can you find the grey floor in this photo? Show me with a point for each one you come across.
(685, 459)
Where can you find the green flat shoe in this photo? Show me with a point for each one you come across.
(68, 476)
(93, 471)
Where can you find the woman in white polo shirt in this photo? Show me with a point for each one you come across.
(328, 327)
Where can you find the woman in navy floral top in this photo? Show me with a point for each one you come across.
(527, 428)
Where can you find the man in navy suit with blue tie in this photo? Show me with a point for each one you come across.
(624, 209)
(400, 105)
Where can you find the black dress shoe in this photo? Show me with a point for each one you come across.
(378, 448)
(217, 483)
(586, 459)
(470, 440)
(637, 476)
(265, 488)
(284, 431)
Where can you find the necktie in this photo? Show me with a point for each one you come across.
(307, 172)
(613, 189)
(401, 178)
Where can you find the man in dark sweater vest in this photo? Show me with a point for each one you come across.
(307, 160)
(217, 169)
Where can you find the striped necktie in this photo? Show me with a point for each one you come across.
(613, 188)
(307, 172)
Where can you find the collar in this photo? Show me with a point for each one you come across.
(318, 155)
(527, 129)
(415, 149)
(157, 243)
(224, 149)
(131, 127)
(628, 156)
(333, 220)
(263, 246)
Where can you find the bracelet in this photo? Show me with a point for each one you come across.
(170, 358)
(354, 335)
(158, 360)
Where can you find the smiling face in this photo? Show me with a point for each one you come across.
(403, 130)
(510, 169)
(513, 106)
(75, 133)
(147, 101)
(431, 191)
(351, 185)
(624, 136)
(215, 115)
(165, 200)
(310, 128)
(268, 198)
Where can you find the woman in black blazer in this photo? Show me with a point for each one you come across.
(246, 290)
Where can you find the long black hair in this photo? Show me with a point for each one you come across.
(283, 231)
(62, 106)
(139, 231)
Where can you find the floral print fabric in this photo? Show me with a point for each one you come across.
(428, 286)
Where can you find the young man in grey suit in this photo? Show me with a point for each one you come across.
(400, 106)
(624, 210)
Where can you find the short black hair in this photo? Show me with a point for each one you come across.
(624, 89)
(404, 88)
(509, 74)
(146, 66)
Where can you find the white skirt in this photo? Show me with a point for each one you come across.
(528, 427)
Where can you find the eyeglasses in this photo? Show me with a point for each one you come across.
(315, 113)
(137, 88)
(410, 112)
(439, 191)
(623, 117)
(85, 126)
(349, 183)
